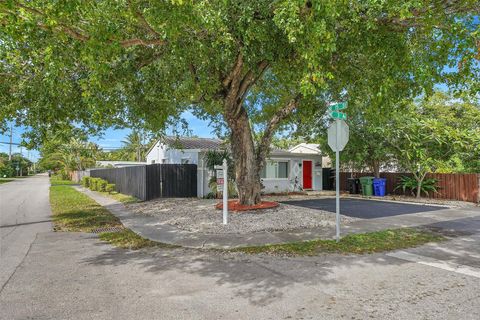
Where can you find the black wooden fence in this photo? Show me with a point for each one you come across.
(152, 181)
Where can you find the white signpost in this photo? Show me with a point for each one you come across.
(223, 182)
(338, 134)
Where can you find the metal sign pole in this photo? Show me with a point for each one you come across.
(337, 179)
(338, 134)
(225, 192)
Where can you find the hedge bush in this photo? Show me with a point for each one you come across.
(86, 182)
(99, 184)
(102, 185)
(110, 187)
(93, 184)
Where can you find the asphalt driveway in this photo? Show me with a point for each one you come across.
(363, 208)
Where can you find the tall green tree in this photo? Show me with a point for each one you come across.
(18, 165)
(433, 133)
(134, 146)
(75, 155)
(244, 65)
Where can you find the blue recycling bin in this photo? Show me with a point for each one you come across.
(379, 185)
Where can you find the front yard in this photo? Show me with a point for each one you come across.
(199, 215)
(74, 211)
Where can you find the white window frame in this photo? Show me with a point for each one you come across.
(276, 169)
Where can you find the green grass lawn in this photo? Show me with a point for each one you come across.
(76, 212)
(5, 180)
(57, 180)
(372, 242)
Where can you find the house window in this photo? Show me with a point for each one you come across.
(275, 170)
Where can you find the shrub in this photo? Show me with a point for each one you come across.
(210, 195)
(110, 187)
(428, 185)
(64, 174)
(101, 185)
(6, 170)
(86, 181)
(93, 183)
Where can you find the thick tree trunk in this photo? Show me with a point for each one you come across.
(247, 170)
(249, 159)
(376, 168)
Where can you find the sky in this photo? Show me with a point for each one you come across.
(112, 138)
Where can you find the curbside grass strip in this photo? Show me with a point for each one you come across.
(363, 243)
(73, 211)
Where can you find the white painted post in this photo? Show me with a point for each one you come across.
(337, 180)
(225, 192)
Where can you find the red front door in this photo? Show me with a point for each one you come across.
(307, 174)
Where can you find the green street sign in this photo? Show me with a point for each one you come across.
(338, 115)
(338, 106)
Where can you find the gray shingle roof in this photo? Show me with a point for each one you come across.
(194, 143)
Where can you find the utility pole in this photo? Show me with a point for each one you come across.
(11, 142)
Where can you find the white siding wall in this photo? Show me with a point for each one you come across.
(284, 185)
(156, 154)
(160, 151)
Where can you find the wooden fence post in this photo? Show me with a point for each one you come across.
(478, 188)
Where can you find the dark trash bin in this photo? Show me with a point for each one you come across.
(353, 185)
(379, 185)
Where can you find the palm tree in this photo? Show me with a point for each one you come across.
(134, 146)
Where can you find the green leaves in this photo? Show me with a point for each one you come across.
(426, 186)
(92, 65)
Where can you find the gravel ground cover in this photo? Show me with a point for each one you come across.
(199, 215)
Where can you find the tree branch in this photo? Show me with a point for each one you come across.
(234, 73)
(78, 34)
(449, 7)
(193, 72)
(148, 60)
(141, 19)
(251, 77)
(272, 125)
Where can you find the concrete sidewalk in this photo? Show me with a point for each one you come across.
(151, 228)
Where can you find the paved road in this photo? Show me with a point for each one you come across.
(75, 276)
(365, 209)
(24, 212)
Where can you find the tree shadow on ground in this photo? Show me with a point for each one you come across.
(261, 279)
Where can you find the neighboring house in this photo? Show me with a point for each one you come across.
(302, 162)
(186, 150)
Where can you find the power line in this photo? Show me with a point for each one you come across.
(16, 144)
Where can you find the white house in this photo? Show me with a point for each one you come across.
(302, 163)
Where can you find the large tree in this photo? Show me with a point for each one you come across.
(134, 146)
(245, 65)
(429, 134)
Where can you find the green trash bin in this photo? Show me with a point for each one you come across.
(367, 185)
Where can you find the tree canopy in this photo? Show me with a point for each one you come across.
(245, 65)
